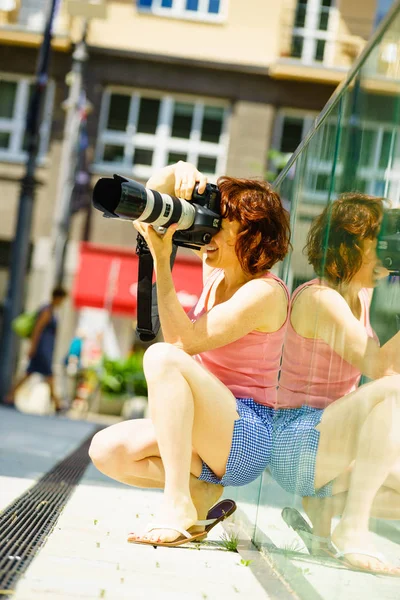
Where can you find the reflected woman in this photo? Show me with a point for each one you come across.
(326, 428)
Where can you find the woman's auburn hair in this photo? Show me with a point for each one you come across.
(264, 232)
(335, 241)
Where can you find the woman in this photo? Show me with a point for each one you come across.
(326, 427)
(41, 349)
(200, 436)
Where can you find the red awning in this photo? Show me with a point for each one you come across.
(107, 278)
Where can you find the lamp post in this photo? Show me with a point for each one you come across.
(20, 249)
(86, 10)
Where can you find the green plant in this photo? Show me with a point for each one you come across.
(230, 541)
(123, 376)
(276, 161)
(245, 563)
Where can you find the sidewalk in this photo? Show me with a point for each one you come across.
(87, 556)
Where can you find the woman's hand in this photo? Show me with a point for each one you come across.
(160, 246)
(186, 177)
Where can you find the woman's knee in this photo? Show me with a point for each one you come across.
(160, 357)
(105, 450)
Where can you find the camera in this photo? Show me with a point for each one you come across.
(122, 198)
(388, 247)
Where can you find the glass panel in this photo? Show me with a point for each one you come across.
(368, 142)
(166, 3)
(4, 139)
(212, 124)
(148, 115)
(144, 3)
(320, 50)
(182, 120)
(118, 112)
(388, 142)
(214, 6)
(113, 153)
(8, 91)
(143, 156)
(207, 164)
(192, 4)
(342, 234)
(300, 17)
(174, 157)
(297, 46)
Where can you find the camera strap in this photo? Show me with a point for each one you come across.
(148, 320)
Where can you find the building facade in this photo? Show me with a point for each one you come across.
(220, 83)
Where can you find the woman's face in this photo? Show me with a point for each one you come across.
(371, 270)
(221, 250)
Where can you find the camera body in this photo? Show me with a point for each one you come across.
(388, 247)
(198, 220)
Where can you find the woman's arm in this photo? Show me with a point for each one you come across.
(250, 308)
(43, 319)
(322, 313)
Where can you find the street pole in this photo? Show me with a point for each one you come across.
(14, 300)
(66, 179)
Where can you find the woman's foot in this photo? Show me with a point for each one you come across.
(204, 496)
(9, 400)
(177, 512)
(348, 540)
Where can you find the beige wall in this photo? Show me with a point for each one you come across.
(249, 36)
(250, 133)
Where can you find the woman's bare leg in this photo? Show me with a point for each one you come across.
(191, 410)
(10, 398)
(128, 452)
(362, 427)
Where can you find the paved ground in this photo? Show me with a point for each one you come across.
(87, 556)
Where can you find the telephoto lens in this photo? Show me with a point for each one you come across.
(127, 199)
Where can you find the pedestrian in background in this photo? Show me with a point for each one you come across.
(41, 349)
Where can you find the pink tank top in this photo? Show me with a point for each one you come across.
(249, 366)
(312, 373)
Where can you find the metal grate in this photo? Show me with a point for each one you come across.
(28, 521)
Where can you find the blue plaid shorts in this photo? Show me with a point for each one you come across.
(294, 451)
(251, 445)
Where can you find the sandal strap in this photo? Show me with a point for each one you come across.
(152, 526)
(204, 522)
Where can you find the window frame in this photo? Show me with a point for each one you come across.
(311, 34)
(178, 11)
(161, 142)
(16, 125)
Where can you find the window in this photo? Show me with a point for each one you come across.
(14, 100)
(143, 131)
(291, 128)
(205, 10)
(377, 169)
(313, 33)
